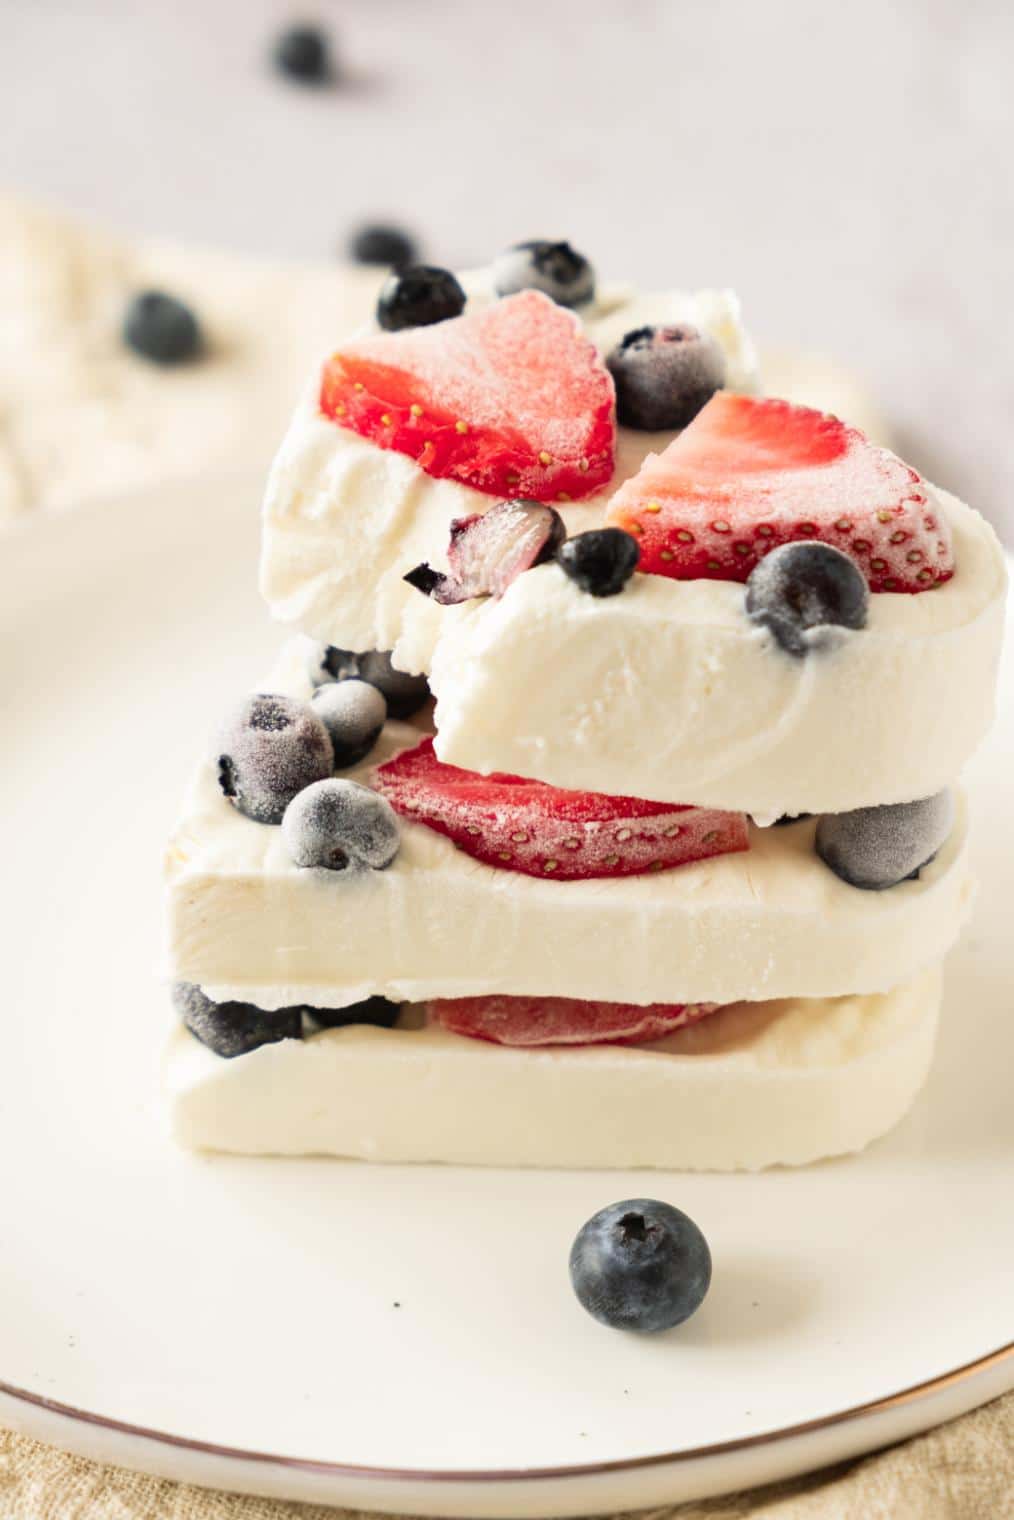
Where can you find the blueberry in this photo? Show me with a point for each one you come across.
(161, 328)
(372, 1010)
(418, 297)
(877, 847)
(326, 662)
(403, 693)
(234, 1029)
(271, 748)
(789, 818)
(554, 268)
(353, 712)
(303, 53)
(802, 587)
(640, 1265)
(377, 243)
(341, 825)
(601, 561)
(664, 375)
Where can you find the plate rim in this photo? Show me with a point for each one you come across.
(913, 1394)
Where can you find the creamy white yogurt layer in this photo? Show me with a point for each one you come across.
(669, 691)
(756, 1085)
(245, 923)
(666, 691)
(344, 520)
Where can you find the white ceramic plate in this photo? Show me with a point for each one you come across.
(406, 1338)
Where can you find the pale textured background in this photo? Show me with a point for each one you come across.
(846, 167)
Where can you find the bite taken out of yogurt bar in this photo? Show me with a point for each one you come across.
(669, 866)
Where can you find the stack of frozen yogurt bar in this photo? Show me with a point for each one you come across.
(603, 807)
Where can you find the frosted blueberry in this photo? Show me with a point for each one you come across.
(372, 1010)
(877, 847)
(271, 748)
(600, 561)
(802, 587)
(418, 296)
(339, 825)
(664, 375)
(353, 712)
(234, 1029)
(403, 693)
(554, 268)
(326, 662)
(640, 1265)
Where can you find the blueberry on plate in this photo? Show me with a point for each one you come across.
(877, 847)
(419, 296)
(600, 561)
(234, 1029)
(353, 712)
(379, 243)
(161, 328)
(554, 268)
(799, 589)
(404, 694)
(379, 1011)
(269, 750)
(340, 825)
(303, 53)
(664, 376)
(640, 1265)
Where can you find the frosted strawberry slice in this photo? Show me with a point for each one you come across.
(750, 474)
(539, 830)
(511, 399)
(563, 1021)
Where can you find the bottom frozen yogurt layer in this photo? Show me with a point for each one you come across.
(781, 1082)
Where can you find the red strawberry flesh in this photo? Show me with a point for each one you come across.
(516, 824)
(750, 474)
(563, 1021)
(511, 399)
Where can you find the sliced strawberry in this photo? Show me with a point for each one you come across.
(563, 1021)
(540, 830)
(749, 474)
(511, 399)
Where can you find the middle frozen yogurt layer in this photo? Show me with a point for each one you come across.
(246, 923)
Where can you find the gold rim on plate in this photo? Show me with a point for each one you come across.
(910, 1395)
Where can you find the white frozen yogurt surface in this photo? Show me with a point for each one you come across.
(669, 691)
(756, 1085)
(774, 921)
(553, 684)
(344, 520)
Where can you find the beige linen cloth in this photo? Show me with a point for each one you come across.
(81, 417)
